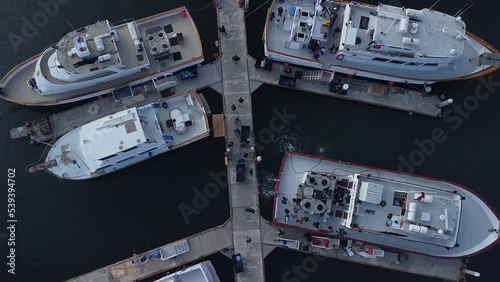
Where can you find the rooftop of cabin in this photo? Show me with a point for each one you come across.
(112, 134)
(427, 32)
(405, 209)
(78, 50)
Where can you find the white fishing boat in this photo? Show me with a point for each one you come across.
(127, 137)
(384, 42)
(101, 57)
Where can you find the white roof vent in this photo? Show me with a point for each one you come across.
(99, 44)
(453, 51)
(411, 41)
(105, 57)
(414, 28)
(413, 13)
(403, 25)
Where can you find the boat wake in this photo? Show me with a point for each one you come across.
(267, 179)
(290, 138)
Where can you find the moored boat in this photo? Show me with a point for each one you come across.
(380, 207)
(380, 42)
(126, 137)
(101, 57)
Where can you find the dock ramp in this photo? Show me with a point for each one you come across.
(174, 250)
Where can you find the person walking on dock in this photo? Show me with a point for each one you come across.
(237, 131)
(249, 239)
(280, 231)
(240, 100)
(233, 107)
(250, 210)
(251, 171)
(280, 11)
(237, 121)
(222, 30)
(236, 59)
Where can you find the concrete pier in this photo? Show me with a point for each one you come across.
(242, 182)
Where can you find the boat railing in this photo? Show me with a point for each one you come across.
(53, 45)
(123, 21)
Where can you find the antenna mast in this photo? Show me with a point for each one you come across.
(466, 7)
(70, 24)
(434, 4)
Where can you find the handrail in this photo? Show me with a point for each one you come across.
(128, 20)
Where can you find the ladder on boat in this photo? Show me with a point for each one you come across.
(164, 82)
(321, 75)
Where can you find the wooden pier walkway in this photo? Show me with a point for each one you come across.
(364, 91)
(445, 269)
(242, 180)
(133, 269)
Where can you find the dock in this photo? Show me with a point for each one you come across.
(445, 269)
(141, 267)
(46, 128)
(411, 100)
(241, 169)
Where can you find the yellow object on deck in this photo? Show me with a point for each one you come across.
(325, 22)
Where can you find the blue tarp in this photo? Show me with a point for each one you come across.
(291, 11)
(154, 254)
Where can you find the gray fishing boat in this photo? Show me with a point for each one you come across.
(381, 42)
(381, 207)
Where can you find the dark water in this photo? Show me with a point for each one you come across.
(66, 228)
